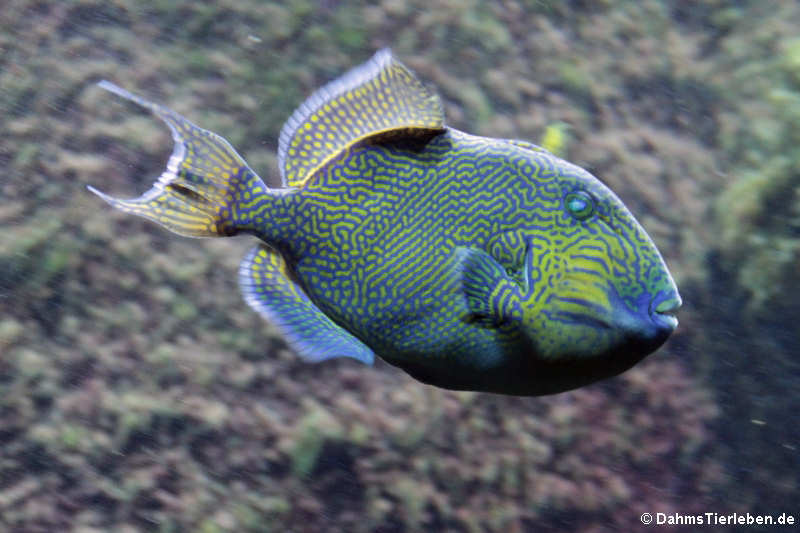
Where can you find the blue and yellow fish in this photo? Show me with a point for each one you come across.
(469, 262)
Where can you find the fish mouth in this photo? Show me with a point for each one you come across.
(664, 307)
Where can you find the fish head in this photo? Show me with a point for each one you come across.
(598, 288)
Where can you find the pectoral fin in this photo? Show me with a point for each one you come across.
(268, 287)
(491, 294)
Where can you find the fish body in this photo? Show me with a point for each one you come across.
(470, 262)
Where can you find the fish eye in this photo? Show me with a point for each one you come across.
(579, 204)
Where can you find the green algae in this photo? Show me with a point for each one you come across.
(10, 332)
(310, 433)
(556, 138)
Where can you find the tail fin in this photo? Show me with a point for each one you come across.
(199, 193)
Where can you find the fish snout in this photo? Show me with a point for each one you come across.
(663, 308)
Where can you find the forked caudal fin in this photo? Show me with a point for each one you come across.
(206, 189)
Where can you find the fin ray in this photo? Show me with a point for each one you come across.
(380, 96)
(491, 295)
(196, 193)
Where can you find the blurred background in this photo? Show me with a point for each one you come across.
(138, 392)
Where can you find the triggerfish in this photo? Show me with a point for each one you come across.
(471, 263)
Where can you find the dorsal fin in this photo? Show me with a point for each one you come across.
(380, 96)
(527, 145)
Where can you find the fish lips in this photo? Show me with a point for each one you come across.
(650, 321)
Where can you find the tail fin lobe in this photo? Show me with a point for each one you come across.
(198, 192)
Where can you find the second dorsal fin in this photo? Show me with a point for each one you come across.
(380, 96)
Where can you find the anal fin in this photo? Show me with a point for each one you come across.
(268, 287)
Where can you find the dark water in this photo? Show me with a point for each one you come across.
(139, 393)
